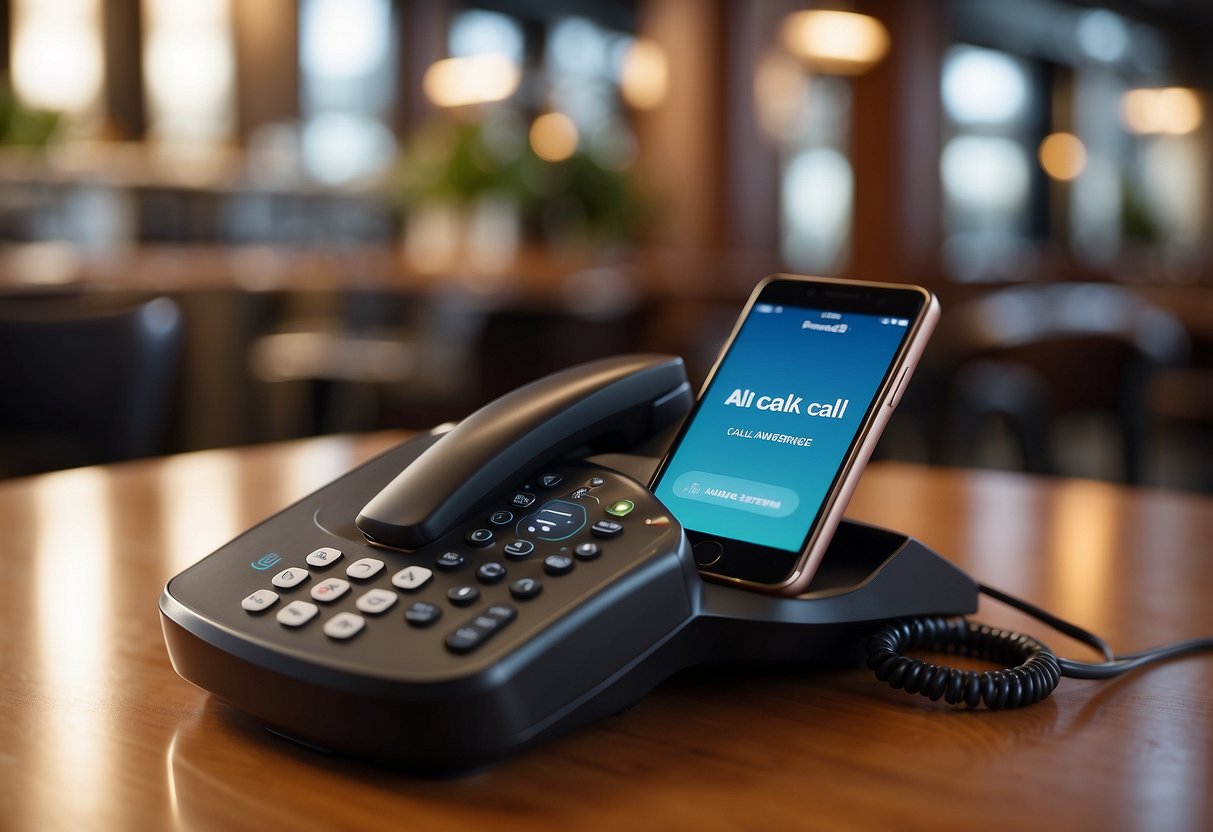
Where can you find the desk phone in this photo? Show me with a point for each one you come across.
(469, 594)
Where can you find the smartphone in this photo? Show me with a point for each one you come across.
(764, 465)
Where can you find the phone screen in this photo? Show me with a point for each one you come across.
(760, 453)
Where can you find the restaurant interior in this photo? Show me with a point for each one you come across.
(231, 223)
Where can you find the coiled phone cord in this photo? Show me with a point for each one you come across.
(1033, 678)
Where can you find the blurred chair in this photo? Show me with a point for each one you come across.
(84, 382)
(522, 343)
(365, 359)
(1031, 355)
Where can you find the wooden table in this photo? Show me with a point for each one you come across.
(97, 732)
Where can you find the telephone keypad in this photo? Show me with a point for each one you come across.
(561, 527)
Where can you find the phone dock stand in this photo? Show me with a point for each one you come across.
(559, 592)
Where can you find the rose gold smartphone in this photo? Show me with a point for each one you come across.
(766, 462)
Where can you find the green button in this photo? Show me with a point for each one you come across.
(620, 508)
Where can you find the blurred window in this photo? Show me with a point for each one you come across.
(992, 116)
(189, 70)
(478, 32)
(56, 59)
(347, 57)
(817, 179)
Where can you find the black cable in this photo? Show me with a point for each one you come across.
(1035, 673)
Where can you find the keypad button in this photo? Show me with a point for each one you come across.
(587, 551)
(518, 549)
(550, 480)
(449, 561)
(465, 639)
(260, 601)
(411, 578)
(474, 633)
(525, 589)
(606, 528)
(620, 508)
(288, 578)
(595, 482)
(324, 556)
(501, 518)
(503, 613)
(523, 499)
(344, 625)
(364, 568)
(558, 564)
(490, 573)
(297, 613)
(479, 537)
(330, 589)
(422, 613)
(555, 520)
(376, 601)
(462, 596)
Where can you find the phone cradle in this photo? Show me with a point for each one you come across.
(506, 643)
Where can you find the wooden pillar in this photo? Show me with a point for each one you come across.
(895, 143)
(681, 141)
(122, 37)
(266, 35)
(751, 201)
(422, 27)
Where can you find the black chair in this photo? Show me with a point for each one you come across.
(84, 380)
(1030, 355)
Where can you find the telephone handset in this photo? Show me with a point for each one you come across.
(467, 595)
(611, 404)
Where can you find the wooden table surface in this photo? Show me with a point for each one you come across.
(98, 733)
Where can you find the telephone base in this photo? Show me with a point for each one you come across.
(591, 644)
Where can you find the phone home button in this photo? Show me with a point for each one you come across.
(707, 552)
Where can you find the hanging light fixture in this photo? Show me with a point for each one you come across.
(834, 42)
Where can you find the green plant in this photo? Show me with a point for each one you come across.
(576, 199)
(23, 125)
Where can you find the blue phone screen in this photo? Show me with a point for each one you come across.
(776, 422)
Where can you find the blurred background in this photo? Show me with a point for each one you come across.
(224, 223)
